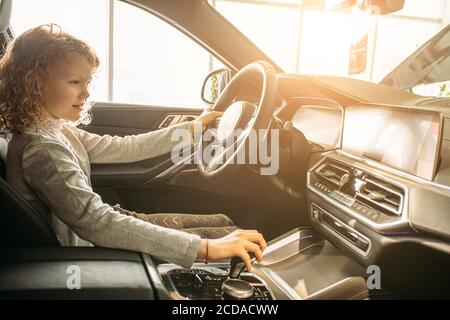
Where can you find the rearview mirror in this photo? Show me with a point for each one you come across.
(214, 84)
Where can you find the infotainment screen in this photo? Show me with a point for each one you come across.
(406, 139)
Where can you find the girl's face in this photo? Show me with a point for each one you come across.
(66, 90)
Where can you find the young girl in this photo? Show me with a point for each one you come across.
(44, 78)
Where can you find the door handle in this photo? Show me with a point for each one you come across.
(172, 119)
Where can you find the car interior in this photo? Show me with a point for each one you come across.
(363, 184)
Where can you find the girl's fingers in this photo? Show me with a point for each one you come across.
(208, 117)
(256, 237)
(246, 258)
(215, 114)
(254, 248)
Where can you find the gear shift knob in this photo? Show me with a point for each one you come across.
(234, 286)
(237, 265)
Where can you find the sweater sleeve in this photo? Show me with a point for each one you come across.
(52, 171)
(131, 148)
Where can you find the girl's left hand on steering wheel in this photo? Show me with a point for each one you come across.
(205, 118)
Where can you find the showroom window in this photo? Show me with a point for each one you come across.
(78, 18)
(302, 36)
(153, 62)
(273, 28)
(144, 60)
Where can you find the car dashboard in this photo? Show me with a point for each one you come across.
(377, 183)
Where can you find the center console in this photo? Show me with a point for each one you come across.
(297, 265)
(206, 282)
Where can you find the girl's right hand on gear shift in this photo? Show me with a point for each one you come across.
(238, 243)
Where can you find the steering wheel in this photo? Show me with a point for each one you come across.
(224, 142)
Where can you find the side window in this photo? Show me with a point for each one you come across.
(78, 18)
(153, 62)
(144, 60)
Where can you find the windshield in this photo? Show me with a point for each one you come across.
(427, 70)
(306, 37)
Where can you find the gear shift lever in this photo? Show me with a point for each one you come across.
(234, 286)
(237, 265)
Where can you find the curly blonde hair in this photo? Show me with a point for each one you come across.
(24, 70)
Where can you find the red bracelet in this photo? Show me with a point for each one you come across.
(206, 253)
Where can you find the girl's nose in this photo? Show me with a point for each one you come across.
(85, 93)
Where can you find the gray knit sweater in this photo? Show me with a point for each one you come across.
(51, 166)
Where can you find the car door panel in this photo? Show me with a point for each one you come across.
(129, 174)
(121, 120)
(125, 119)
(115, 182)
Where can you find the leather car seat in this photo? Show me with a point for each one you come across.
(21, 225)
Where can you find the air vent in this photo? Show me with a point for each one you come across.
(380, 194)
(363, 192)
(333, 173)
